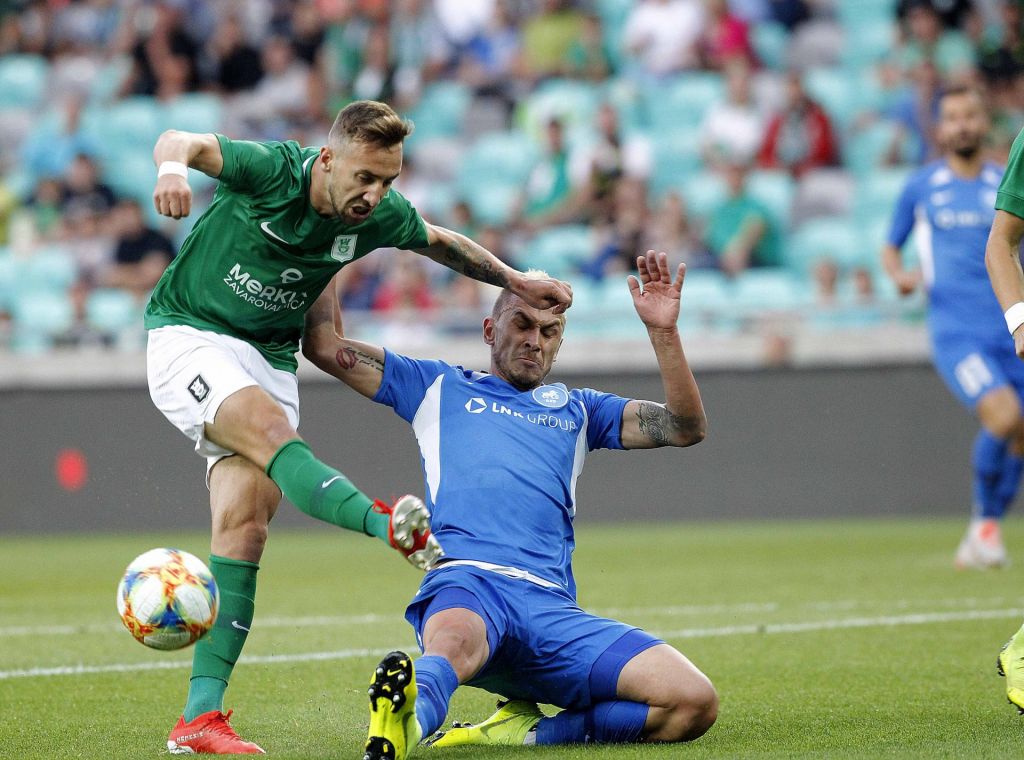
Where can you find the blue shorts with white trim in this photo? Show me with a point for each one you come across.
(543, 647)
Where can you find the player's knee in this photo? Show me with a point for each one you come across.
(243, 535)
(691, 713)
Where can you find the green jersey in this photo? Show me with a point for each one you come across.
(260, 255)
(1010, 196)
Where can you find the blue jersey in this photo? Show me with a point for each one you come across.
(501, 464)
(951, 217)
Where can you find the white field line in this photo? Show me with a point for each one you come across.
(923, 618)
(625, 613)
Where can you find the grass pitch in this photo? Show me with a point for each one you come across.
(824, 639)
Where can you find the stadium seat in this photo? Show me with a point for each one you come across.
(573, 102)
(107, 82)
(559, 250)
(440, 110)
(492, 174)
(835, 238)
(112, 311)
(703, 192)
(822, 192)
(494, 204)
(682, 101)
(134, 174)
(22, 81)
(868, 148)
(756, 291)
(868, 42)
(194, 112)
(705, 299)
(837, 91)
(770, 41)
(50, 269)
(676, 159)
(40, 316)
(9, 281)
(132, 124)
(775, 189)
(877, 193)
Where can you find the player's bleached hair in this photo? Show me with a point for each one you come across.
(370, 122)
(501, 302)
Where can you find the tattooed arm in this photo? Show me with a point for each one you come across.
(359, 365)
(680, 421)
(459, 253)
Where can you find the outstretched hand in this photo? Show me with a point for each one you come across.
(657, 304)
(544, 294)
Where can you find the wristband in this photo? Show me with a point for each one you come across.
(1015, 317)
(172, 167)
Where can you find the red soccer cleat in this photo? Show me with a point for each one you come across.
(210, 734)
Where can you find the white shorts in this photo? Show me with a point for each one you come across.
(191, 372)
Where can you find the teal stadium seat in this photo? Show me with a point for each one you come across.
(493, 172)
(40, 317)
(676, 159)
(877, 193)
(703, 192)
(766, 290)
(50, 269)
(194, 112)
(133, 173)
(683, 101)
(775, 189)
(113, 312)
(705, 299)
(838, 91)
(837, 238)
(868, 148)
(132, 124)
(559, 250)
(22, 81)
(9, 281)
(770, 42)
(573, 102)
(441, 110)
(853, 14)
(868, 42)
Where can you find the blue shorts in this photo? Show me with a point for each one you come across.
(543, 647)
(971, 368)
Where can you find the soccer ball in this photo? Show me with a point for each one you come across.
(167, 599)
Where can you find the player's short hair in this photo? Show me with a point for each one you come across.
(370, 122)
(506, 295)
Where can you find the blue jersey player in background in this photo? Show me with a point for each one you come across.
(502, 451)
(950, 205)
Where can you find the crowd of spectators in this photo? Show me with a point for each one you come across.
(717, 130)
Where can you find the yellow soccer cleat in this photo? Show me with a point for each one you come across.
(1010, 664)
(394, 730)
(508, 726)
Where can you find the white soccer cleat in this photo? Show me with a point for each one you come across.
(982, 547)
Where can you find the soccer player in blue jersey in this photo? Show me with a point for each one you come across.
(948, 204)
(501, 454)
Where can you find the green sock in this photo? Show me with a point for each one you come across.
(217, 652)
(322, 492)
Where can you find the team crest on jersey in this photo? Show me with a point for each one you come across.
(199, 389)
(551, 396)
(344, 248)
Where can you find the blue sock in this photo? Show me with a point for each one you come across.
(615, 722)
(1009, 479)
(435, 682)
(989, 459)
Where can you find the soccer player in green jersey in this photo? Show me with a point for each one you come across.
(224, 325)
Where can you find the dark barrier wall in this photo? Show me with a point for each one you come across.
(786, 443)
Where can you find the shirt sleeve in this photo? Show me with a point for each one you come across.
(903, 216)
(604, 418)
(406, 382)
(406, 227)
(252, 167)
(1010, 196)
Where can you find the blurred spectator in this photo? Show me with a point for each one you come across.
(587, 58)
(826, 283)
(358, 283)
(548, 37)
(492, 59)
(600, 165)
(1003, 60)
(375, 80)
(231, 64)
(741, 232)
(671, 230)
(547, 187)
(162, 50)
(49, 150)
(663, 36)
(406, 287)
(726, 37)
(9, 206)
(927, 40)
(39, 219)
(306, 31)
(281, 99)
(417, 49)
(141, 254)
(916, 112)
(82, 188)
(462, 219)
(732, 130)
(621, 234)
(863, 287)
(952, 13)
(790, 13)
(799, 137)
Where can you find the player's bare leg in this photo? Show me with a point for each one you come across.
(243, 500)
(997, 468)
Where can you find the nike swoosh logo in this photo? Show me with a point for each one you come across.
(328, 482)
(239, 626)
(394, 672)
(265, 226)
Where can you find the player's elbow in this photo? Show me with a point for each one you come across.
(692, 431)
(320, 353)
